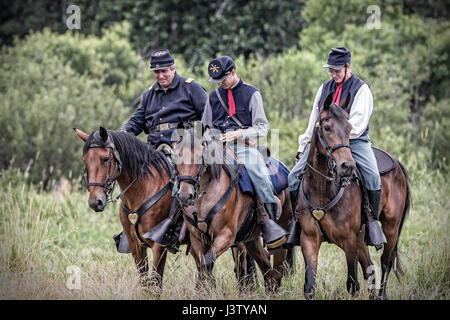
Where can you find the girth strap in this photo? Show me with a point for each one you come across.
(145, 206)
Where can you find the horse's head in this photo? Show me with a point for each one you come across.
(333, 137)
(189, 164)
(103, 166)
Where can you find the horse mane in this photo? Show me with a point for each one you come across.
(214, 148)
(137, 156)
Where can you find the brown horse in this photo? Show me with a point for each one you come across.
(218, 213)
(330, 204)
(142, 175)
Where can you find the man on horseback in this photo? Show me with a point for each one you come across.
(236, 110)
(360, 107)
(170, 101)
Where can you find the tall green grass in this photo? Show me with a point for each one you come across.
(42, 234)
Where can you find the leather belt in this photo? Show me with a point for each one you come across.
(163, 127)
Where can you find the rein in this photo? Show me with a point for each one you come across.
(110, 183)
(203, 225)
(319, 212)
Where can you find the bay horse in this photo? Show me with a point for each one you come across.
(144, 178)
(324, 216)
(218, 214)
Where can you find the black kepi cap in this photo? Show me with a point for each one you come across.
(338, 58)
(220, 68)
(161, 59)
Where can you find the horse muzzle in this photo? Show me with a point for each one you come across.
(186, 198)
(98, 204)
(346, 169)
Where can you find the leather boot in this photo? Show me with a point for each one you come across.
(374, 201)
(274, 236)
(374, 234)
(167, 231)
(294, 225)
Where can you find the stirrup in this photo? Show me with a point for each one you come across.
(374, 235)
(273, 235)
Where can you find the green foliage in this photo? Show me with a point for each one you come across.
(41, 99)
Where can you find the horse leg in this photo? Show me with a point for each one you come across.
(387, 258)
(367, 266)
(197, 251)
(350, 247)
(310, 249)
(139, 254)
(279, 266)
(220, 244)
(245, 272)
(289, 266)
(262, 258)
(159, 261)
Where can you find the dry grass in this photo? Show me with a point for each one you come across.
(42, 234)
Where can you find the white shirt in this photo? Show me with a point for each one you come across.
(359, 117)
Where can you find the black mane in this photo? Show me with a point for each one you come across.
(137, 157)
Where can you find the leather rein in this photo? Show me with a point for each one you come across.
(319, 212)
(110, 183)
(203, 225)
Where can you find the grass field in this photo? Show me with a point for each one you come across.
(48, 238)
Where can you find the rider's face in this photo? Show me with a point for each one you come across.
(337, 75)
(164, 77)
(229, 81)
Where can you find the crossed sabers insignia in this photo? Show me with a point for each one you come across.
(214, 68)
(159, 53)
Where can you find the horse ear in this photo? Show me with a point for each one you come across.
(103, 134)
(83, 136)
(343, 104)
(328, 100)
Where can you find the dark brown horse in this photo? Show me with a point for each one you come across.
(142, 174)
(217, 210)
(330, 204)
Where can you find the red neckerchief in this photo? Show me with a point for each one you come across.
(231, 103)
(337, 95)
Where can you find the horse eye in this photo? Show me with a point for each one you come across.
(106, 159)
(327, 127)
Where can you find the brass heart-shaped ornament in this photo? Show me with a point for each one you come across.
(318, 214)
(133, 217)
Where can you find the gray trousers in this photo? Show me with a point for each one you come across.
(362, 154)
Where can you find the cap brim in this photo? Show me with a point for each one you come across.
(217, 80)
(161, 67)
(333, 66)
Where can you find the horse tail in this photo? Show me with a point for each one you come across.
(398, 268)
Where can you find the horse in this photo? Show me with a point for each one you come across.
(330, 203)
(218, 214)
(144, 178)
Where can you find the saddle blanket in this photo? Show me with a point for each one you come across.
(278, 175)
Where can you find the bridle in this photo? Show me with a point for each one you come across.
(110, 181)
(331, 160)
(319, 212)
(193, 180)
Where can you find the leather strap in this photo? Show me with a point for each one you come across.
(147, 205)
(235, 119)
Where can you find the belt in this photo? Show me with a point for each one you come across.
(163, 127)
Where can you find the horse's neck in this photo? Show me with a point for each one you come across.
(139, 190)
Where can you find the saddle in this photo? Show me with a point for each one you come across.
(385, 164)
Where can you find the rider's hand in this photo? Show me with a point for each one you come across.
(298, 156)
(231, 135)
